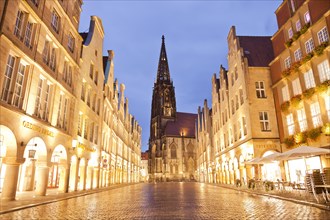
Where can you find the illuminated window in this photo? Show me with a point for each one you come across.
(309, 45)
(19, 22)
(260, 89)
(241, 96)
(309, 79)
(80, 125)
(323, 35)
(290, 33)
(287, 63)
(298, 25)
(307, 17)
(244, 126)
(290, 124)
(302, 119)
(28, 34)
(327, 105)
(296, 87)
(18, 90)
(297, 55)
(71, 42)
(285, 93)
(264, 121)
(173, 152)
(324, 71)
(7, 78)
(55, 21)
(316, 114)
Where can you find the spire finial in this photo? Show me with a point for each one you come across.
(163, 38)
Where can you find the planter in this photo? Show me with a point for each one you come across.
(304, 28)
(289, 141)
(289, 43)
(295, 101)
(319, 49)
(308, 93)
(314, 133)
(300, 138)
(307, 58)
(323, 87)
(286, 73)
(326, 129)
(285, 106)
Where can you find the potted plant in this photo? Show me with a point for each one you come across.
(295, 101)
(289, 141)
(314, 133)
(251, 184)
(285, 106)
(323, 86)
(319, 49)
(308, 93)
(286, 73)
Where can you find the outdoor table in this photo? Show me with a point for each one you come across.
(324, 193)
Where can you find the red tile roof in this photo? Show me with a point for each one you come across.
(257, 49)
(185, 122)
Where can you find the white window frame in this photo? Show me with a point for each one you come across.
(264, 121)
(297, 55)
(285, 93)
(323, 35)
(8, 75)
(309, 45)
(316, 114)
(290, 33)
(19, 23)
(55, 20)
(287, 62)
(302, 120)
(327, 105)
(309, 79)
(307, 17)
(71, 42)
(290, 124)
(324, 71)
(260, 89)
(18, 90)
(296, 87)
(298, 25)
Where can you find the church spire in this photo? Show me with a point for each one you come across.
(163, 72)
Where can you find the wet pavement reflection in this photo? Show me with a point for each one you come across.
(170, 201)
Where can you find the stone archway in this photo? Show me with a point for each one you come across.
(34, 171)
(58, 170)
(9, 163)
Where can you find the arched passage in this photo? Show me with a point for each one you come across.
(58, 169)
(34, 172)
(9, 168)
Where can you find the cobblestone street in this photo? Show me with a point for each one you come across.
(170, 201)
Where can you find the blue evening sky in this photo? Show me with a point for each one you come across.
(195, 38)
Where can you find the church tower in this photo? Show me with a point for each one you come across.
(172, 133)
(163, 109)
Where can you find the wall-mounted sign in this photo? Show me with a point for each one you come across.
(84, 147)
(38, 128)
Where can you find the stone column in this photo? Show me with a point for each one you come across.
(67, 178)
(33, 173)
(10, 182)
(42, 180)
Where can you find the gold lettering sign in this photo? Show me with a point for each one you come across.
(84, 147)
(38, 128)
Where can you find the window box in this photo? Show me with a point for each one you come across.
(323, 87)
(308, 93)
(300, 137)
(285, 106)
(289, 141)
(295, 101)
(289, 43)
(286, 73)
(319, 49)
(307, 58)
(304, 28)
(314, 133)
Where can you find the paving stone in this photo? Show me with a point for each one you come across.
(171, 201)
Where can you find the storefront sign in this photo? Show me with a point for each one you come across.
(38, 128)
(84, 147)
(266, 146)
